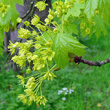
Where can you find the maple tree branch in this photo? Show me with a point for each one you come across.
(91, 63)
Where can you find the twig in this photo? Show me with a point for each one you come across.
(91, 63)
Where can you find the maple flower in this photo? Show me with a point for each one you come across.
(34, 33)
(13, 47)
(35, 20)
(31, 98)
(48, 53)
(29, 92)
(38, 46)
(41, 5)
(23, 98)
(38, 38)
(50, 17)
(3, 9)
(27, 23)
(24, 33)
(41, 99)
(55, 30)
(29, 56)
(82, 25)
(47, 21)
(87, 30)
(34, 57)
(20, 60)
(30, 83)
(22, 80)
(49, 43)
(19, 20)
(28, 71)
(30, 80)
(40, 63)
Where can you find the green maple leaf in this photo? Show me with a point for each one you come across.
(91, 5)
(104, 9)
(71, 28)
(99, 26)
(63, 44)
(102, 5)
(12, 13)
(74, 11)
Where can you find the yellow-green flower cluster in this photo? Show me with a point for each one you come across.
(70, 3)
(28, 71)
(62, 7)
(13, 47)
(41, 5)
(24, 53)
(22, 80)
(41, 27)
(35, 54)
(84, 27)
(24, 33)
(39, 63)
(50, 17)
(6, 28)
(27, 23)
(48, 53)
(35, 20)
(19, 20)
(42, 100)
(40, 58)
(29, 92)
(32, 87)
(48, 43)
(42, 55)
(34, 33)
(3, 9)
(29, 56)
(23, 98)
(20, 60)
(87, 30)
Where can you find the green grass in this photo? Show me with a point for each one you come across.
(91, 85)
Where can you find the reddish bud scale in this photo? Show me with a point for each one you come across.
(77, 59)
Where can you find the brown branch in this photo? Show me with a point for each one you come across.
(91, 63)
